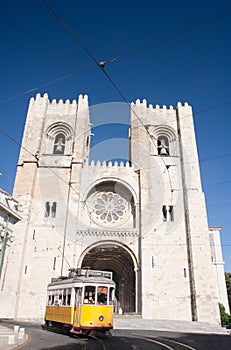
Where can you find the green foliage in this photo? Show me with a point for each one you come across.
(225, 318)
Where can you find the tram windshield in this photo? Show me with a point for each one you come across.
(100, 295)
(89, 295)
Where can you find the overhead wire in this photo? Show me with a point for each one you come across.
(106, 74)
(51, 82)
(176, 34)
(128, 53)
(102, 66)
(99, 64)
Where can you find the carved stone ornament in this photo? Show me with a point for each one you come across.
(109, 209)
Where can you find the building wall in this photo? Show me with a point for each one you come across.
(218, 266)
(9, 216)
(155, 210)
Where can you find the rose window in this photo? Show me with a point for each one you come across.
(109, 208)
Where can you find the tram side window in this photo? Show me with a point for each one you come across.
(50, 298)
(102, 293)
(58, 297)
(89, 295)
(60, 300)
(68, 297)
(64, 297)
(111, 296)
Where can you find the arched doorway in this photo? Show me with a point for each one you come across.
(115, 258)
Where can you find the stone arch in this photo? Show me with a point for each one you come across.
(167, 133)
(118, 258)
(111, 178)
(58, 138)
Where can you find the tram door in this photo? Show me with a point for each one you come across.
(77, 306)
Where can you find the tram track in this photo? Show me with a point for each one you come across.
(167, 343)
(137, 342)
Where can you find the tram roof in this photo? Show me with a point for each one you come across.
(84, 276)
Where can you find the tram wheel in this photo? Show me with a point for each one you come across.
(66, 329)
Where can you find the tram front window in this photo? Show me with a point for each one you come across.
(89, 295)
(102, 293)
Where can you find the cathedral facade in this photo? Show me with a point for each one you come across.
(145, 220)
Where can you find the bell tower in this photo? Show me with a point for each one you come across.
(55, 147)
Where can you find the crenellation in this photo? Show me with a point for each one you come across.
(110, 164)
(146, 194)
(144, 103)
(138, 102)
(85, 98)
(32, 100)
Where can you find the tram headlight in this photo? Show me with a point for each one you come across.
(101, 318)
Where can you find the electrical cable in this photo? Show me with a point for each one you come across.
(46, 84)
(102, 64)
(175, 35)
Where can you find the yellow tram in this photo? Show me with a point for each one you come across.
(81, 303)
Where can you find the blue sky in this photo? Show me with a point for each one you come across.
(151, 62)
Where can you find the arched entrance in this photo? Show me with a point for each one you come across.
(115, 258)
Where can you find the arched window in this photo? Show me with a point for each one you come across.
(59, 144)
(163, 145)
(165, 140)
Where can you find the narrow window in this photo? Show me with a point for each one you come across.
(164, 212)
(167, 212)
(54, 263)
(163, 146)
(53, 209)
(47, 209)
(171, 217)
(185, 272)
(59, 144)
